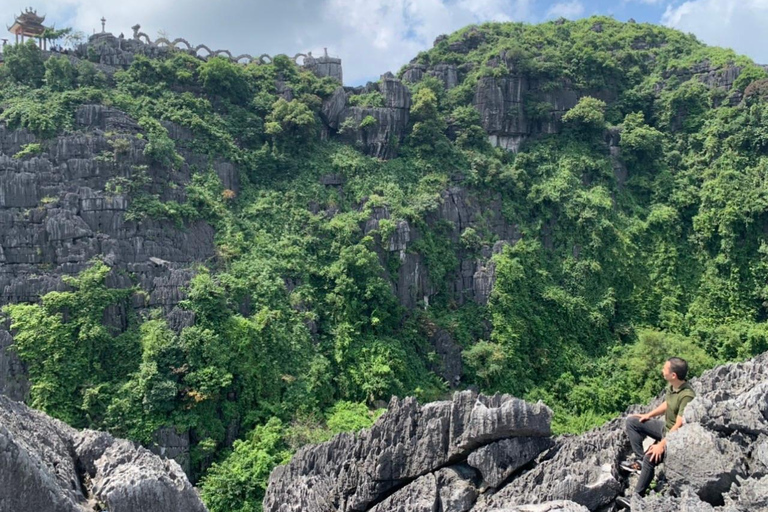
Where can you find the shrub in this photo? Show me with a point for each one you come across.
(25, 63)
(60, 74)
(31, 149)
(160, 147)
(589, 113)
(349, 417)
(221, 77)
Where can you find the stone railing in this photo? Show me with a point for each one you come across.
(184, 45)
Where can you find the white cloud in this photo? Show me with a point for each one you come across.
(737, 24)
(569, 10)
(371, 36)
(381, 35)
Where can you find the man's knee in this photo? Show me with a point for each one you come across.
(648, 462)
(632, 422)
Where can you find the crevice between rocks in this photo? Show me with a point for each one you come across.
(461, 458)
(544, 456)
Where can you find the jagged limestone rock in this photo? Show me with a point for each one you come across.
(456, 488)
(449, 353)
(550, 506)
(449, 490)
(333, 108)
(760, 455)
(579, 469)
(686, 503)
(133, 479)
(745, 412)
(47, 466)
(748, 495)
(57, 213)
(498, 460)
(37, 471)
(699, 460)
(381, 136)
(419, 496)
(407, 442)
(423, 456)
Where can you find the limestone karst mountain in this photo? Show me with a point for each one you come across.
(225, 259)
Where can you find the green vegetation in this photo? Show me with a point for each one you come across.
(31, 149)
(623, 260)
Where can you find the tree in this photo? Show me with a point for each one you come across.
(427, 135)
(238, 483)
(60, 74)
(25, 63)
(52, 34)
(466, 124)
(588, 114)
(290, 121)
(74, 360)
(224, 78)
(88, 75)
(160, 147)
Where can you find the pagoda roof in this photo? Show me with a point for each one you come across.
(28, 23)
(30, 16)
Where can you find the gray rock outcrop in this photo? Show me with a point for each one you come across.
(581, 469)
(376, 130)
(494, 454)
(402, 449)
(47, 466)
(498, 460)
(688, 447)
(550, 506)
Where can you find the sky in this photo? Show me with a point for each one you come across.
(375, 36)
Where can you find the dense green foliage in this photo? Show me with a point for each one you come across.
(623, 261)
(74, 359)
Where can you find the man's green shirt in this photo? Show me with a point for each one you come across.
(676, 402)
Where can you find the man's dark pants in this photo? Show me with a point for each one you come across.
(637, 432)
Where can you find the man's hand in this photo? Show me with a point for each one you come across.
(656, 451)
(642, 417)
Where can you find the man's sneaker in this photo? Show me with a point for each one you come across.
(631, 466)
(623, 502)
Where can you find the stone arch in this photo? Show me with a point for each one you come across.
(218, 53)
(296, 59)
(162, 41)
(265, 56)
(181, 40)
(203, 47)
(245, 56)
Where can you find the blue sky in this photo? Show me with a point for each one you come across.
(375, 36)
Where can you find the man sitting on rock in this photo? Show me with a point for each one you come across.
(640, 426)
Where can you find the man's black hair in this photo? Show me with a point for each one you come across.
(679, 367)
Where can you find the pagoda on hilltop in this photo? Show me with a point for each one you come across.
(29, 24)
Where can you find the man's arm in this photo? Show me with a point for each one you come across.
(656, 412)
(656, 450)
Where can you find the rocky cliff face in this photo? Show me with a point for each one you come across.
(47, 466)
(516, 104)
(458, 211)
(482, 454)
(375, 130)
(61, 208)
